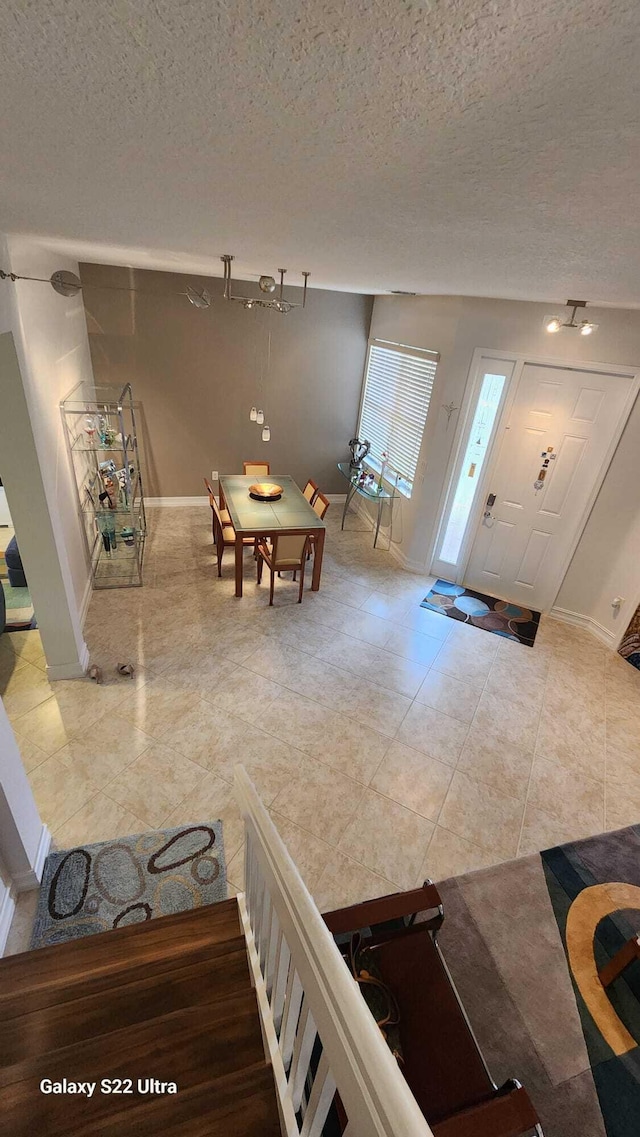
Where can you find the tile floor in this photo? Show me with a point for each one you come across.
(388, 742)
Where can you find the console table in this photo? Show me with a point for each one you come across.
(376, 493)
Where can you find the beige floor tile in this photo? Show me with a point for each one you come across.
(365, 626)
(413, 779)
(387, 607)
(209, 736)
(374, 706)
(199, 672)
(211, 800)
(320, 801)
(622, 805)
(245, 694)
(566, 795)
(235, 870)
(449, 854)
(460, 662)
(309, 854)
(346, 882)
(574, 739)
(451, 696)
(483, 815)
(516, 681)
(31, 754)
(45, 726)
(155, 784)
(366, 839)
(434, 733)
(349, 747)
(353, 595)
(100, 819)
(430, 623)
(623, 764)
(497, 762)
(104, 750)
(413, 645)
(516, 721)
(26, 688)
(158, 706)
(58, 794)
(295, 720)
(541, 831)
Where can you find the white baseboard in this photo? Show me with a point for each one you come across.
(70, 670)
(609, 639)
(25, 881)
(7, 909)
(201, 500)
(86, 600)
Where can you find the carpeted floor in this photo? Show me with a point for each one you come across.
(523, 940)
(130, 880)
(511, 621)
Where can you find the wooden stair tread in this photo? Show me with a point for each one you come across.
(51, 975)
(88, 1016)
(239, 1104)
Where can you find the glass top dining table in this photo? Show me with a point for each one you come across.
(291, 513)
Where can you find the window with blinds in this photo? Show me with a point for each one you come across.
(395, 403)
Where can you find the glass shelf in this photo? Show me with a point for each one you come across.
(111, 408)
(376, 491)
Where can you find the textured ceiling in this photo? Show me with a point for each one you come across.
(477, 147)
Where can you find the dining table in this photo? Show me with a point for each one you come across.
(289, 514)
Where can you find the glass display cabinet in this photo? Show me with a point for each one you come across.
(100, 427)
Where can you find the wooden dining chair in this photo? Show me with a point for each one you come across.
(225, 535)
(257, 469)
(310, 491)
(225, 516)
(319, 505)
(288, 552)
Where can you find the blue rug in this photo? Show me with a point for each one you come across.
(93, 888)
(498, 616)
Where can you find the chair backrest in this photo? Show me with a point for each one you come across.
(209, 488)
(217, 519)
(321, 504)
(289, 548)
(257, 469)
(310, 491)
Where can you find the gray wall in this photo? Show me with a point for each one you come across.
(197, 374)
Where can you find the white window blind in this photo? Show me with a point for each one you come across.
(395, 402)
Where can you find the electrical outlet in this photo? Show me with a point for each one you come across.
(214, 475)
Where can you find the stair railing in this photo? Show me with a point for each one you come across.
(319, 1035)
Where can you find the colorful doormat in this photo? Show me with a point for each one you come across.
(127, 881)
(19, 609)
(497, 616)
(524, 941)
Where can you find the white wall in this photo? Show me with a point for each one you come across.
(456, 326)
(43, 355)
(24, 840)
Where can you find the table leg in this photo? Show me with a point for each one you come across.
(317, 559)
(239, 560)
(350, 493)
(375, 539)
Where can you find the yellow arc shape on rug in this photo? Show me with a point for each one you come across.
(588, 909)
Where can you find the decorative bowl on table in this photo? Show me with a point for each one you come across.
(265, 491)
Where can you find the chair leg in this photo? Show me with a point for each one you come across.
(294, 575)
(259, 569)
(219, 553)
(302, 567)
(273, 581)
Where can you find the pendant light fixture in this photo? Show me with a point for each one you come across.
(267, 286)
(260, 418)
(253, 414)
(555, 324)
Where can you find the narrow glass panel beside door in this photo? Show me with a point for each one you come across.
(474, 458)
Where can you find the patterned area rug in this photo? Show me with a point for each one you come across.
(93, 888)
(524, 941)
(630, 646)
(497, 616)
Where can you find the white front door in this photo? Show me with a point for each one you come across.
(560, 431)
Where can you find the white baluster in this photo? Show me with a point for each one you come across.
(320, 1098)
(292, 1001)
(302, 1049)
(283, 960)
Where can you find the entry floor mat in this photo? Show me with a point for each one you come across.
(511, 621)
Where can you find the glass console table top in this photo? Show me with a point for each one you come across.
(375, 492)
(291, 511)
